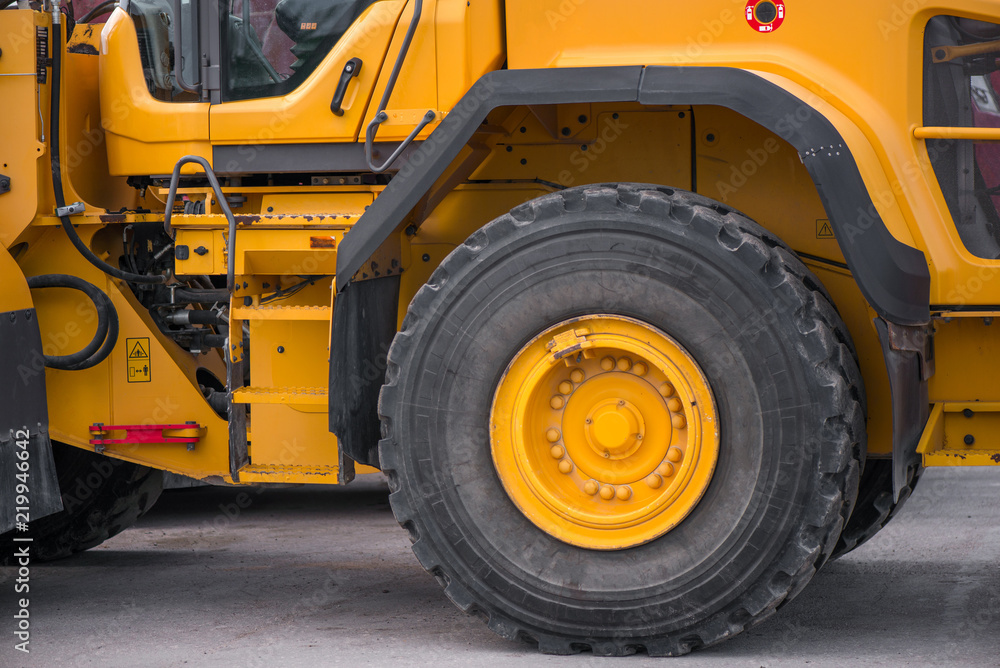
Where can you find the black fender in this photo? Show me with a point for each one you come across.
(892, 276)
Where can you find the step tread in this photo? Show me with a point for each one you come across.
(281, 395)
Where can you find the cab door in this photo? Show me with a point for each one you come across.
(295, 75)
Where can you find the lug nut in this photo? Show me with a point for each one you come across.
(640, 369)
(557, 402)
(552, 435)
(608, 363)
(666, 469)
(565, 387)
(607, 492)
(577, 376)
(675, 454)
(653, 481)
(557, 452)
(674, 405)
(565, 466)
(624, 364)
(591, 487)
(623, 493)
(678, 421)
(666, 390)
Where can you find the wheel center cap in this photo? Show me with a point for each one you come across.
(614, 429)
(611, 430)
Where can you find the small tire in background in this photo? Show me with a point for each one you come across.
(875, 507)
(101, 498)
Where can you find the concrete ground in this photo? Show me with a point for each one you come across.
(325, 577)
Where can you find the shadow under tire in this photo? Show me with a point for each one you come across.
(101, 498)
(786, 384)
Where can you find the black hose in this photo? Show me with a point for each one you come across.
(57, 187)
(107, 323)
(186, 296)
(99, 10)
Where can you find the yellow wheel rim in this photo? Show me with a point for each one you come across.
(604, 432)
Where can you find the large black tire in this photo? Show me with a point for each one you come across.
(875, 507)
(101, 497)
(789, 396)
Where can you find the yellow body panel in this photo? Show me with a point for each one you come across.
(876, 107)
(23, 131)
(144, 135)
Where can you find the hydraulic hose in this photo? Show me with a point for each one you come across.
(107, 323)
(57, 186)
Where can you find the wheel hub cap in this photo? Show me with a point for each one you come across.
(604, 432)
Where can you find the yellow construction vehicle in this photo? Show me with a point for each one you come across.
(646, 311)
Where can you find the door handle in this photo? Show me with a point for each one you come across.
(351, 70)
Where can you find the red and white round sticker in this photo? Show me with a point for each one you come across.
(765, 15)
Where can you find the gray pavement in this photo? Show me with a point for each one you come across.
(325, 577)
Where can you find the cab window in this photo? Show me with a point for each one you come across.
(271, 46)
(962, 90)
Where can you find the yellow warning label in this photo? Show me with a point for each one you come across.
(823, 229)
(138, 360)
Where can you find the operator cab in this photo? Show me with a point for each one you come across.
(269, 47)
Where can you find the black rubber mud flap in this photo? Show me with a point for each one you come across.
(909, 360)
(24, 424)
(364, 322)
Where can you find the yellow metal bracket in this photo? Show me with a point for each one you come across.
(961, 434)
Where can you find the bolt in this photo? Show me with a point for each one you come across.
(607, 492)
(623, 493)
(577, 375)
(675, 454)
(557, 452)
(674, 405)
(565, 467)
(666, 389)
(591, 487)
(557, 402)
(678, 421)
(565, 387)
(552, 435)
(281, 349)
(653, 481)
(969, 439)
(968, 412)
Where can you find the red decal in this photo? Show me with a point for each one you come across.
(765, 15)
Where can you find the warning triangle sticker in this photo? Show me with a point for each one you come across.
(138, 352)
(825, 231)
